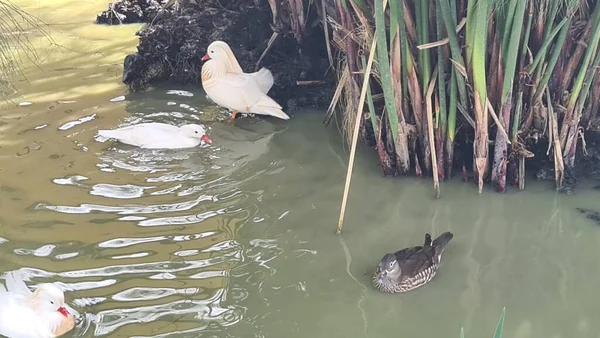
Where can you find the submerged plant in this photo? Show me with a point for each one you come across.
(499, 326)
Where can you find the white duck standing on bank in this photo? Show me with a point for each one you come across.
(159, 135)
(26, 314)
(228, 86)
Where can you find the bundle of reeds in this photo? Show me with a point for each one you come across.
(502, 74)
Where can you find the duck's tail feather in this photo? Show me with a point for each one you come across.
(268, 106)
(264, 79)
(273, 111)
(440, 243)
(427, 240)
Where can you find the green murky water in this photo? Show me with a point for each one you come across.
(236, 239)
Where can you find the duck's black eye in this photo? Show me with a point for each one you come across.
(212, 51)
(52, 302)
(391, 264)
(196, 131)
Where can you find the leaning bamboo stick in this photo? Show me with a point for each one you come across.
(361, 104)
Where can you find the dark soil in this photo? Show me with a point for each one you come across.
(130, 11)
(171, 47)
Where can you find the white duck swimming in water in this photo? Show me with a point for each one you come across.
(228, 86)
(26, 314)
(159, 135)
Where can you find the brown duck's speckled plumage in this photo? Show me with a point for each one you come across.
(410, 268)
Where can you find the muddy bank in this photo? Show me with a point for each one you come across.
(177, 36)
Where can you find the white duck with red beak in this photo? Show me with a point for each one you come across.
(26, 314)
(155, 135)
(228, 86)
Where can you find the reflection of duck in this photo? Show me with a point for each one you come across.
(159, 135)
(239, 145)
(27, 314)
(227, 85)
(411, 268)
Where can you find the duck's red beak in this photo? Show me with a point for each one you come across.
(63, 311)
(205, 57)
(206, 139)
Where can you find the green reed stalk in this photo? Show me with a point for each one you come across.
(384, 68)
(477, 24)
(399, 5)
(441, 117)
(541, 55)
(556, 51)
(422, 18)
(511, 53)
(590, 52)
(449, 15)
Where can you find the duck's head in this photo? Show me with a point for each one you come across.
(48, 299)
(388, 268)
(196, 131)
(220, 50)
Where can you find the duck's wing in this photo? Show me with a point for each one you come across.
(416, 262)
(16, 318)
(241, 90)
(263, 78)
(404, 253)
(15, 284)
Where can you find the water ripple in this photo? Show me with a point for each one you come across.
(152, 247)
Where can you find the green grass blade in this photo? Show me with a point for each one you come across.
(525, 46)
(441, 112)
(590, 52)
(511, 55)
(394, 4)
(403, 44)
(589, 78)
(505, 29)
(541, 55)
(500, 326)
(552, 61)
(370, 100)
(462, 332)
(452, 109)
(476, 46)
(360, 3)
(383, 61)
(422, 18)
(450, 23)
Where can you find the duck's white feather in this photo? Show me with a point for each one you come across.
(228, 86)
(242, 92)
(263, 78)
(152, 136)
(17, 318)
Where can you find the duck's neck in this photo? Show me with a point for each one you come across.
(213, 69)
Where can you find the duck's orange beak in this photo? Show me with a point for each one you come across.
(206, 139)
(63, 311)
(205, 57)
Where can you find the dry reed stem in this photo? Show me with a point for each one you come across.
(436, 178)
(361, 104)
(496, 120)
(558, 159)
(326, 32)
(445, 41)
